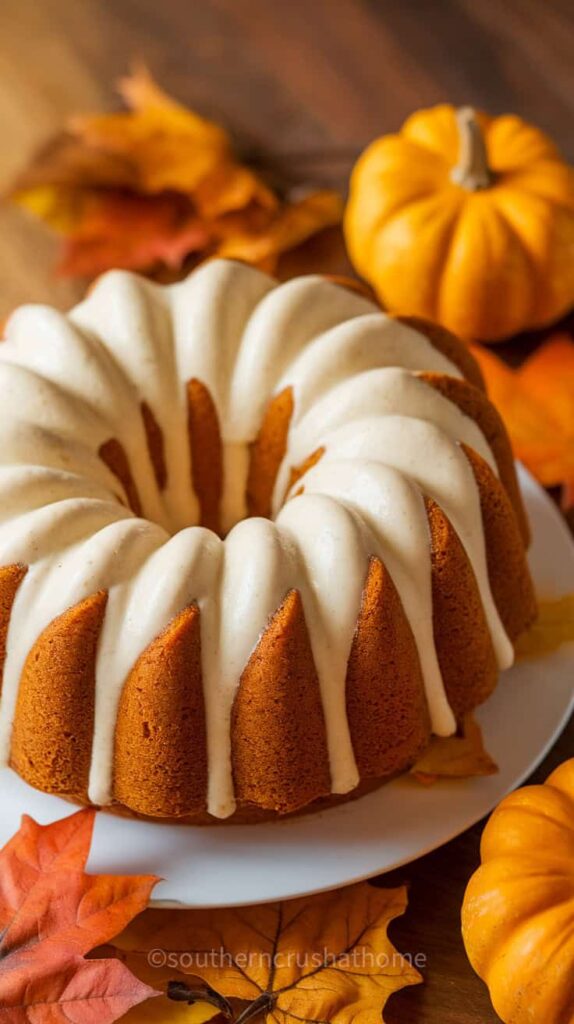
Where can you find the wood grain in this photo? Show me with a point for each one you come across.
(309, 83)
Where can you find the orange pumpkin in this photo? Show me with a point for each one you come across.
(518, 910)
(465, 219)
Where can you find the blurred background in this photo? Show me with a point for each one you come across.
(308, 83)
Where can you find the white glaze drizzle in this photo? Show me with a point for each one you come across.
(70, 383)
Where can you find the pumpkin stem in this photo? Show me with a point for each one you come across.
(472, 171)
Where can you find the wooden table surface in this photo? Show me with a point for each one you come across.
(309, 82)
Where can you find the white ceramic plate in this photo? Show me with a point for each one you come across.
(232, 865)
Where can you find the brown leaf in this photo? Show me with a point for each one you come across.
(455, 757)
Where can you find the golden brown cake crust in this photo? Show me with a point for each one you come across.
(279, 749)
(449, 345)
(267, 452)
(352, 284)
(462, 639)
(510, 579)
(52, 738)
(155, 444)
(160, 759)
(11, 577)
(206, 454)
(296, 472)
(475, 404)
(247, 814)
(386, 705)
(112, 453)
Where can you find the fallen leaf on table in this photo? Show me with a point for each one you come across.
(165, 1010)
(156, 185)
(536, 402)
(51, 915)
(167, 145)
(323, 958)
(183, 999)
(291, 226)
(455, 757)
(553, 627)
(131, 232)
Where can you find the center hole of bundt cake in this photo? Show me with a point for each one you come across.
(213, 482)
(234, 480)
(231, 480)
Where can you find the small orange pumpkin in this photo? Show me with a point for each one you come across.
(467, 220)
(518, 909)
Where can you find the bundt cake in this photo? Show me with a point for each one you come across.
(257, 542)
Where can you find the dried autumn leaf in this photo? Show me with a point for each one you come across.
(51, 914)
(323, 958)
(75, 990)
(289, 228)
(162, 1011)
(537, 404)
(231, 188)
(147, 187)
(66, 167)
(129, 232)
(165, 1011)
(455, 757)
(553, 628)
(183, 1000)
(170, 147)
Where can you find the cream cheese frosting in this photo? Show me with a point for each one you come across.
(70, 383)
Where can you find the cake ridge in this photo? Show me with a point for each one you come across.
(380, 428)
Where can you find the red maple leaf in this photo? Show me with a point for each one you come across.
(51, 915)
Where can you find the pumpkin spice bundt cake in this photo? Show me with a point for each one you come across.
(257, 543)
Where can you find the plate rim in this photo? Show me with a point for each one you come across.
(463, 823)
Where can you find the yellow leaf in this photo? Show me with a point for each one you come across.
(455, 757)
(61, 208)
(145, 965)
(553, 627)
(323, 958)
(231, 188)
(156, 184)
(164, 1011)
(170, 146)
(293, 224)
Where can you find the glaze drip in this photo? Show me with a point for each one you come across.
(74, 384)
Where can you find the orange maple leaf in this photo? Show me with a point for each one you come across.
(537, 404)
(313, 959)
(129, 232)
(156, 183)
(291, 225)
(455, 757)
(51, 915)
